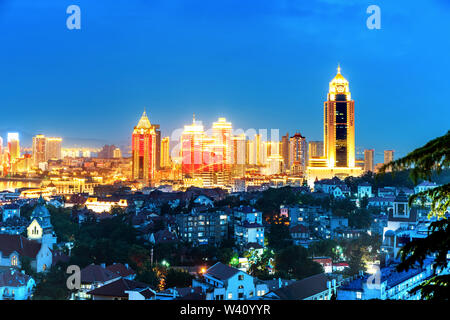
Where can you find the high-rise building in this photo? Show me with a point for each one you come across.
(165, 152)
(285, 151)
(54, 148)
(297, 154)
(158, 146)
(339, 135)
(107, 152)
(315, 149)
(1, 149)
(192, 148)
(143, 146)
(239, 154)
(117, 153)
(388, 156)
(222, 132)
(368, 160)
(13, 145)
(39, 149)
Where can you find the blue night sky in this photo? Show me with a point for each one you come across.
(259, 63)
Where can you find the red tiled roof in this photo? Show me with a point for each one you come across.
(95, 273)
(121, 269)
(117, 288)
(18, 243)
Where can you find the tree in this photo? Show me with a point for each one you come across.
(52, 285)
(293, 261)
(278, 236)
(180, 279)
(426, 161)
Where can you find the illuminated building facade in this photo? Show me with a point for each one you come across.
(285, 151)
(39, 149)
(315, 149)
(339, 135)
(388, 156)
(207, 158)
(165, 152)
(13, 145)
(368, 160)
(143, 147)
(54, 148)
(297, 154)
(117, 153)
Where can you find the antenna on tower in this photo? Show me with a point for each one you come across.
(339, 68)
(193, 118)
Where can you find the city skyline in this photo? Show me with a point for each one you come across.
(270, 75)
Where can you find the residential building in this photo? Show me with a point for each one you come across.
(15, 285)
(202, 226)
(222, 282)
(316, 287)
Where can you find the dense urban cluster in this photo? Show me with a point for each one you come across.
(271, 243)
(217, 217)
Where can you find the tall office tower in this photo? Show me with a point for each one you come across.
(39, 149)
(239, 154)
(165, 152)
(259, 152)
(1, 149)
(339, 135)
(315, 149)
(285, 151)
(143, 148)
(158, 146)
(388, 156)
(54, 148)
(339, 124)
(107, 152)
(117, 153)
(368, 160)
(250, 153)
(298, 154)
(192, 148)
(222, 132)
(13, 145)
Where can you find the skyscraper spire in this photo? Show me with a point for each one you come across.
(193, 118)
(339, 68)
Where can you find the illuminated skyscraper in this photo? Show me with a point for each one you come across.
(297, 154)
(1, 149)
(339, 135)
(117, 153)
(239, 154)
(13, 145)
(315, 149)
(165, 152)
(192, 147)
(54, 148)
(368, 160)
(285, 151)
(222, 132)
(143, 148)
(39, 149)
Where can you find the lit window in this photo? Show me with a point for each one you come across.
(358, 295)
(230, 296)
